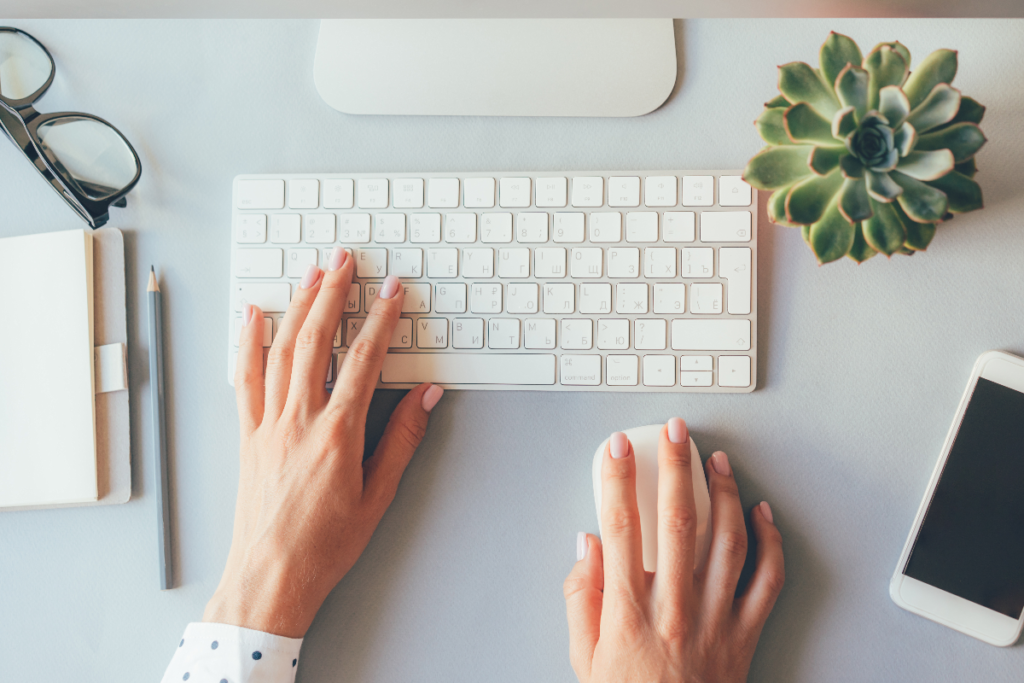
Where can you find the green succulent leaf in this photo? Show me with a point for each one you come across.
(970, 111)
(824, 160)
(861, 251)
(836, 52)
(885, 66)
(775, 167)
(967, 168)
(923, 203)
(926, 165)
(963, 193)
(807, 201)
(844, 123)
(831, 237)
(898, 47)
(893, 105)
(778, 102)
(963, 140)
(770, 127)
(904, 138)
(805, 125)
(881, 187)
(805, 232)
(851, 167)
(852, 89)
(938, 67)
(800, 83)
(777, 207)
(854, 203)
(884, 231)
(919, 235)
(938, 108)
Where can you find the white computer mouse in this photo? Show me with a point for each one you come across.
(645, 450)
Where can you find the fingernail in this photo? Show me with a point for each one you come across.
(766, 512)
(389, 288)
(619, 445)
(246, 314)
(677, 432)
(431, 396)
(581, 546)
(338, 257)
(310, 278)
(720, 461)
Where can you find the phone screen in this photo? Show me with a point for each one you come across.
(971, 542)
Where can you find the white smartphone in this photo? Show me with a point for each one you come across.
(963, 563)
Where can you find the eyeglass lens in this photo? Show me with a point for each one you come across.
(24, 66)
(90, 153)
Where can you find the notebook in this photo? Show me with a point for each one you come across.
(63, 439)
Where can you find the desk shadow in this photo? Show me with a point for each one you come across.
(678, 29)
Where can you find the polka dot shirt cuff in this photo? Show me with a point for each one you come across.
(221, 653)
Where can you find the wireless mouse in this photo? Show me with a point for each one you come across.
(645, 451)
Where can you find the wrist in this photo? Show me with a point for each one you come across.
(263, 600)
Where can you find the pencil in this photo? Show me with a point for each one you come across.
(156, 388)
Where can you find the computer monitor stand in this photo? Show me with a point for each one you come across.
(496, 67)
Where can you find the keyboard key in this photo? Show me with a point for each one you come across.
(303, 194)
(355, 228)
(265, 263)
(689, 378)
(734, 371)
(417, 298)
(706, 298)
(371, 262)
(469, 368)
(514, 263)
(606, 227)
(442, 263)
(559, 299)
(710, 335)
(732, 191)
(408, 193)
(540, 333)
(734, 266)
(669, 297)
(432, 333)
(389, 228)
(338, 193)
(631, 298)
(268, 331)
(523, 297)
(478, 263)
(251, 228)
(678, 226)
(642, 226)
(551, 192)
(479, 193)
(260, 194)
(659, 371)
(372, 290)
(320, 228)
(612, 333)
(725, 226)
(595, 298)
(496, 228)
(623, 191)
(531, 227)
(623, 371)
(660, 190)
(697, 262)
(623, 262)
(577, 333)
(443, 193)
(468, 333)
(401, 338)
(450, 297)
(270, 297)
(373, 193)
(696, 363)
(650, 334)
(514, 193)
(299, 260)
(407, 262)
(660, 262)
(460, 228)
(503, 333)
(580, 370)
(698, 190)
(353, 326)
(424, 228)
(588, 191)
(284, 228)
(568, 228)
(586, 262)
(549, 262)
(352, 302)
(485, 298)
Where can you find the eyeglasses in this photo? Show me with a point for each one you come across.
(85, 159)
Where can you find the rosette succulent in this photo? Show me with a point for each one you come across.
(866, 156)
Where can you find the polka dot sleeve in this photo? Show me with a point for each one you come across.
(220, 653)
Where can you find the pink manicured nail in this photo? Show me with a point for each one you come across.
(390, 287)
(310, 278)
(246, 314)
(720, 461)
(338, 258)
(677, 432)
(766, 512)
(431, 396)
(582, 546)
(619, 445)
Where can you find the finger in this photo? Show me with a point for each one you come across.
(279, 362)
(677, 519)
(769, 572)
(583, 597)
(402, 436)
(728, 536)
(620, 521)
(359, 373)
(249, 369)
(315, 340)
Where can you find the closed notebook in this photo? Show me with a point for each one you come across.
(47, 400)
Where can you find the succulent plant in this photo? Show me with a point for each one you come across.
(864, 155)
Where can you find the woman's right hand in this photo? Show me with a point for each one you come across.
(673, 625)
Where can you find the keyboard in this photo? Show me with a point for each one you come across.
(590, 281)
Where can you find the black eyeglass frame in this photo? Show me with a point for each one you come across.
(95, 212)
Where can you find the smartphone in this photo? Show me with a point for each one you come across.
(963, 562)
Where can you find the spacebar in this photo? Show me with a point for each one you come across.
(469, 368)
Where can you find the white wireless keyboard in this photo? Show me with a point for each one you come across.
(592, 281)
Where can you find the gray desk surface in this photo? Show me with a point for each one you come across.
(861, 370)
